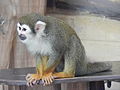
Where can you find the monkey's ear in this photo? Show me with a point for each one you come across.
(39, 26)
(18, 24)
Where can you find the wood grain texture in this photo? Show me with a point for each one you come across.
(13, 53)
(38, 87)
(21, 56)
(74, 86)
(16, 77)
(11, 48)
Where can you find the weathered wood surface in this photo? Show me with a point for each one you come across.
(17, 77)
(13, 53)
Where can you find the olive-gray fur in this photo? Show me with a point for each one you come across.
(66, 45)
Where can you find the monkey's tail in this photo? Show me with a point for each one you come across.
(98, 67)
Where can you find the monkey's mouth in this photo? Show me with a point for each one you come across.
(22, 36)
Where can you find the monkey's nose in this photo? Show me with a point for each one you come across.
(22, 36)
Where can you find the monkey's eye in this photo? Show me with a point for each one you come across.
(24, 29)
(19, 28)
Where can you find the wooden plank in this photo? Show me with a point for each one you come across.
(17, 76)
(13, 53)
(38, 87)
(74, 86)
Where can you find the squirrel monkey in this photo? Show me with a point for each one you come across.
(58, 50)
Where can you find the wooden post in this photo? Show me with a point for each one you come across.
(98, 85)
(74, 86)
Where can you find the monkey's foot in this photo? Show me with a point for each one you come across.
(32, 79)
(47, 79)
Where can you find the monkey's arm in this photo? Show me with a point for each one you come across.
(50, 66)
(40, 67)
(49, 74)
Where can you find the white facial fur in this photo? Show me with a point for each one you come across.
(23, 26)
(24, 32)
(35, 44)
(39, 29)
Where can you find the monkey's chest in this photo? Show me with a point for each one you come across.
(41, 47)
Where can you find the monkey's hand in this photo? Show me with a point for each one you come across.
(32, 79)
(47, 78)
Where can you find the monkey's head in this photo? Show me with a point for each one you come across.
(29, 27)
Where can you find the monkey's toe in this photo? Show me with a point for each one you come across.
(32, 79)
(47, 79)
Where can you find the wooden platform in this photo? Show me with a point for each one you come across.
(16, 77)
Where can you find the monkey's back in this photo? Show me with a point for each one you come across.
(60, 35)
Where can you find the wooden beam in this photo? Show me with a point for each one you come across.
(98, 85)
(74, 86)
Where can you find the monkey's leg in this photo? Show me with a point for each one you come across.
(70, 57)
(68, 72)
(47, 77)
(63, 75)
(40, 66)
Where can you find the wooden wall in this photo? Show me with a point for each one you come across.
(12, 52)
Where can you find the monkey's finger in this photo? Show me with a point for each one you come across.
(45, 81)
(38, 82)
(28, 84)
(34, 82)
(31, 84)
(30, 79)
(52, 78)
(28, 76)
(49, 79)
